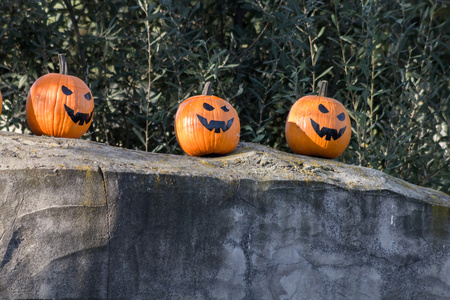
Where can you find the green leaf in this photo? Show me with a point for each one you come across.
(324, 73)
(355, 88)
(258, 138)
(23, 81)
(139, 135)
(347, 39)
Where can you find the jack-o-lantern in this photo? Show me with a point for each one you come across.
(60, 105)
(318, 126)
(207, 124)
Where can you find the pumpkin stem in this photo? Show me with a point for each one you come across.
(323, 88)
(207, 90)
(62, 64)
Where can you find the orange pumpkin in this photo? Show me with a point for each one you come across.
(60, 105)
(207, 124)
(318, 126)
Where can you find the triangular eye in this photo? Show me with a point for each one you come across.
(88, 96)
(323, 109)
(208, 107)
(225, 108)
(341, 117)
(66, 90)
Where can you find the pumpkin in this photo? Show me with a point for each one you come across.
(206, 124)
(59, 105)
(318, 126)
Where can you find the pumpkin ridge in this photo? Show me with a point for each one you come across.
(62, 81)
(50, 105)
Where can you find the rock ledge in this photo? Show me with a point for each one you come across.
(80, 219)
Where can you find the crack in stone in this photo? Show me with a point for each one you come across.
(245, 245)
(108, 221)
(13, 244)
(16, 209)
(16, 238)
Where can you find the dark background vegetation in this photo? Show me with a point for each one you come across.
(387, 61)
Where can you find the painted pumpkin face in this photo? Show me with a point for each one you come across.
(59, 105)
(318, 126)
(207, 125)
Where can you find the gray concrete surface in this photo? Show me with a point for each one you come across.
(85, 220)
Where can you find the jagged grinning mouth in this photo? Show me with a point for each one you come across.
(216, 125)
(78, 117)
(328, 132)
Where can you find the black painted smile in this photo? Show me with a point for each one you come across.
(328, 132)
(78, 117)
(216, 125)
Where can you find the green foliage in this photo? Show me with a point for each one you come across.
(388, 62)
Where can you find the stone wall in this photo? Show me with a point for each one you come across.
(80, 219)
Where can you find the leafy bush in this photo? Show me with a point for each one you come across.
(386, 61)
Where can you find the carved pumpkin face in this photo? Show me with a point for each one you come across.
(318, 126)
(59, 105)
(207, 125)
